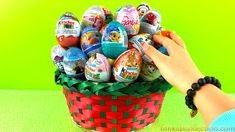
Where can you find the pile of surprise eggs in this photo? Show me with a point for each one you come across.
(106, 47)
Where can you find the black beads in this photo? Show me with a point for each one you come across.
(218, 85)
(201, 81)
(195, 86)
(213, 80)
(188, 98)
(190, 92)
(208, 79)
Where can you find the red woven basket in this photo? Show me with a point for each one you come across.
(93, 107)
(113, 113)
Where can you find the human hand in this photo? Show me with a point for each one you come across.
(177, 68)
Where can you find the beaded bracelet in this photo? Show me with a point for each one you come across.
(195, 87)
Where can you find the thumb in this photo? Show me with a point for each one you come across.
(153, 53)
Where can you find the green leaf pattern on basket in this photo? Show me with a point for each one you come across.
(138, 89)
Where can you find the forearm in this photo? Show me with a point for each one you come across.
(211, 102)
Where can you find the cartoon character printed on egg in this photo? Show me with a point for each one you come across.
(131, 61)
(114, 40)
(89, 39)
(98, 22)
(127, 66)
(129, 69)
(79, 68)
(150, 22)
(94, 17)
(143, 8)
(58, 60)
(113, 34)
(150, 18)
(73, 68)
(57, 54)
(149, 72)
(74, 62)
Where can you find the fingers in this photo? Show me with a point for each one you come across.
(153, 53)
(177, 39)
(166, 42)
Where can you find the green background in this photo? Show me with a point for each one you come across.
(28, 32)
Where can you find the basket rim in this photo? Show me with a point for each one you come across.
(138, 89)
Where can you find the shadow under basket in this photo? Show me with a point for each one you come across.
(113, 107)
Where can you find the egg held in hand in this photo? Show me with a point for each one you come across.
(138, 41)
(149, 70)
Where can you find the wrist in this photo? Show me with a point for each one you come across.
(188, 82)
(196, 87)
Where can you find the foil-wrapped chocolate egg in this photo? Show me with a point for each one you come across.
(142, 9)
(127, 66)
(57, 54)
(90, 41)
(138, 40)
(68, 31)
(74, 62)
(129, 18)
(98, 68)
(114, 40)
(149, 72)
(150, 22)
(94, 17)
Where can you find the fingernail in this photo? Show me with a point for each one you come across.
(155, 37)
(173, 33)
